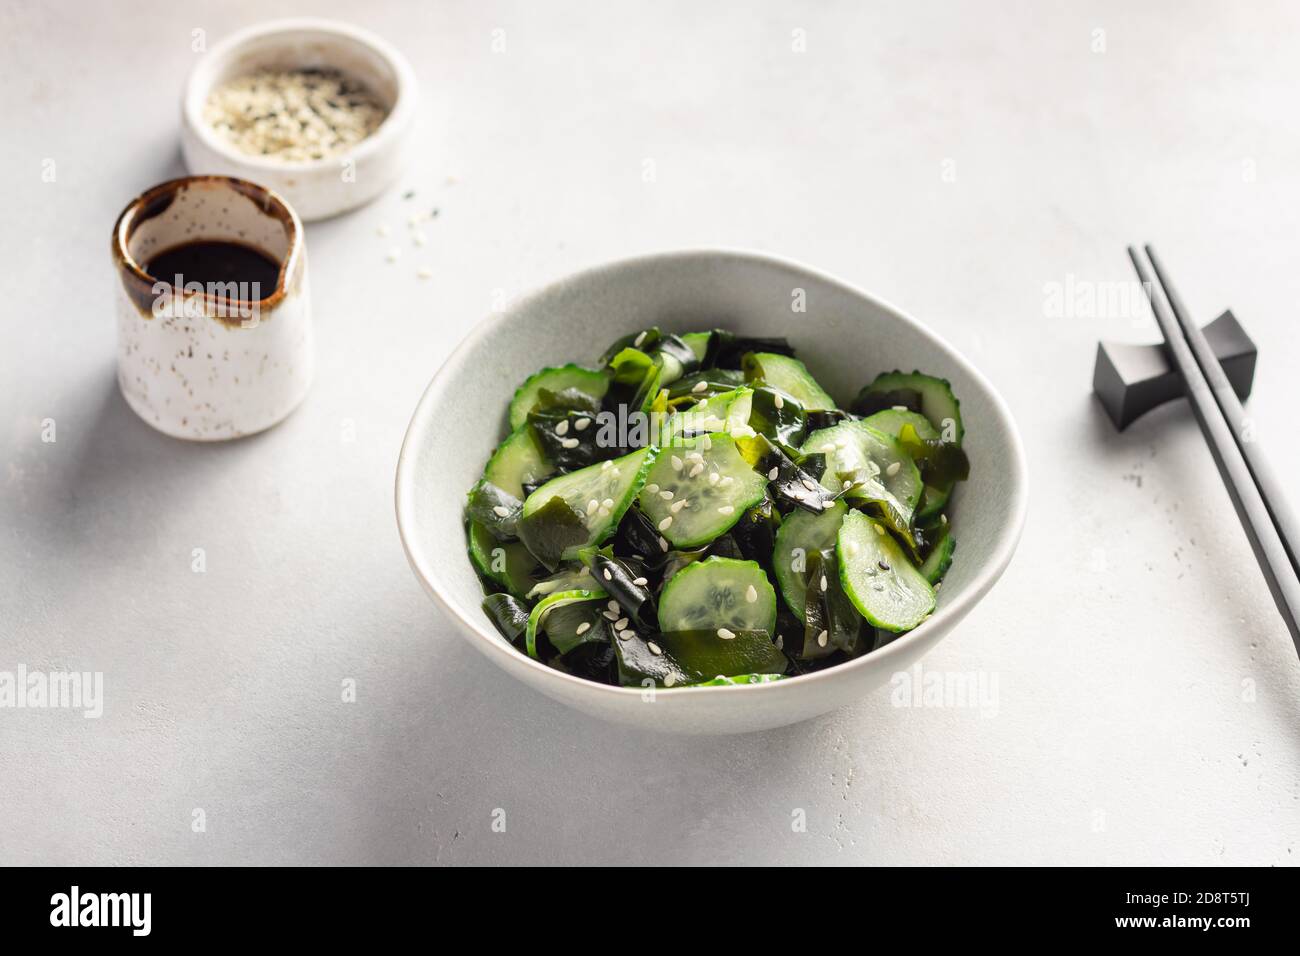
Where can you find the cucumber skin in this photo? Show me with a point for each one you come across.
(790, 582)
(521, 404)
(857, 518)
(939, 560)
(548, 602)
(766, 594)
(889, 381)
(519, 442)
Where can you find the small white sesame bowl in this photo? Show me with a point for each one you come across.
(316, 188)
(845, 336)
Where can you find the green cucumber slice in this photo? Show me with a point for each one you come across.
(929, 395)
(537, 618)
(518, 461)
(582, 508)
(719, 593)
(698, 342)
(508, 564)
(697, 490)
(788, 375)
(875, 466)
(878, 576)
(891, 422)
(727, 412)
(939, 560)
(801, 534)
(590, 381)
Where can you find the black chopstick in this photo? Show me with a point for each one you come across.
(1265, 538)
(1265, 479)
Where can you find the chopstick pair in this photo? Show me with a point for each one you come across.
(1256, 495)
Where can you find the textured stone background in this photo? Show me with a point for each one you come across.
(960, 163)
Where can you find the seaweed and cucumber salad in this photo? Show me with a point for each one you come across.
(697, 510)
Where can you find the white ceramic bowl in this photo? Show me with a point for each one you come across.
(322, 187)
(845, 336)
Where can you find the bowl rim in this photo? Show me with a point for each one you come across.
(200, 80)
(405, 489)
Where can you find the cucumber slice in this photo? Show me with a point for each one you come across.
(939, 560)
(582, 508)
(874, 466)
(698, 342)
(878, 576)
(518, 461)
(719, 593)
(590, 381)
(697, 490)
(930, 396)
(801, 534)
(568, 579)
(537, 618)
(788, 375)
(891, 422)
(507, 564)
(727, 412)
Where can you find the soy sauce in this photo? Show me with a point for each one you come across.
(213, 261)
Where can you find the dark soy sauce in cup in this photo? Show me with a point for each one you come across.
(217, 262)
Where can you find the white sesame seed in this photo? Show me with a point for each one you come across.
(677, 506)
(584, 627)
(562, 429)
(847, 485)
(706, 443)
(666, 523)
(501, 511)
(663, 544)
(613, 607)
(654, 648)
(700, 387)
(580, 424)
(677, 463)
(808, 483)
(570, 443)
(640, 582)
(780, 643)
(893, 468)
(713, 477)
(610, 615)
(726, 510)
(626, 635)
(901, 408)
(606, 464)
(652, 489)
(823, 582)
(822, 638)
(607, 503)
(943, 519)
(726, 635)
(695, 470)
(610, 577)
(751, 594)
(603, 512)
(772, 475)
(778, 401)
(638, 340)
(592, 505)
(620, 624)
(666, 495)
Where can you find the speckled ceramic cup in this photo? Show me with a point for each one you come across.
(209, 362)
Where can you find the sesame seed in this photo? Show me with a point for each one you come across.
(823, 582)
(808, 483)
(943, 519)
(654, 648)
(666, 495)
(666, 523)
(607, 503)
(570, 443)
(713, 477)
(606, 464)
(778, 401)
(847, 485)
(613, 606)
(610, 615)
(879, 529)
(640, 582)
(822, 638)
(501, 511)
(677, 506)
(625, 635)
(651, 489)
(638, 340)
(580, 424)
(677, 463)
(700, 387)
(706, 443)
(893, 468)
(584, 627)
(592, 505)
(726, 510)
(663, 544)
(772, 475)
(608, 575)
(603, 512)
(669, 680)
(751, 594)
(562, 429)
(695, 470)
(883, 565)
(620, 624)
(780, 643)
(726, 635)
(901, 408)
